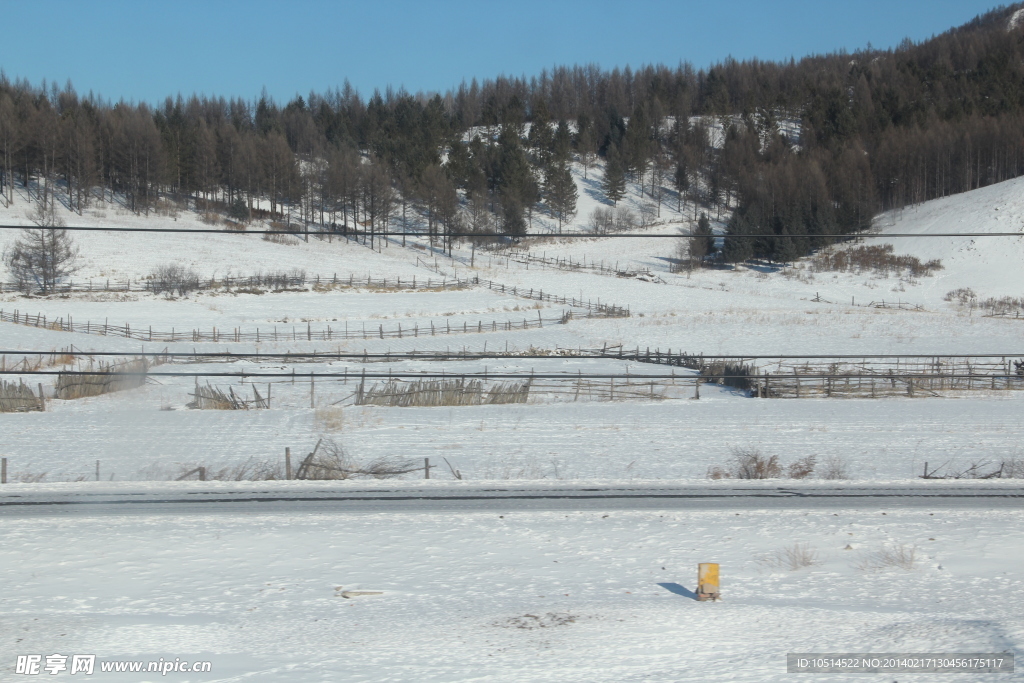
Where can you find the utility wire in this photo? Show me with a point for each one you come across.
(589, 235)
(474, 355)
(711, 377)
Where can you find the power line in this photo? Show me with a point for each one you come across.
(711, 378)
(588, 235)
(497, 355)
(364, 375)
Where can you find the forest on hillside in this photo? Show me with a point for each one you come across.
(878, 130)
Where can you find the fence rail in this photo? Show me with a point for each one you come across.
(396, 283)
(569, 264)
(592, 305)
(594, 309)
(19, 398)
(103, 379)
(214, 398)
(467, 390)
(274, 281)
(295, 333)
(841, 377)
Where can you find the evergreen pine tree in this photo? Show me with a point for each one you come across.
(681, 180)
(738, 244)
(702, 241)
(561, 193)
(614, 184)
(512, 221)
(561, 146)
(539, 137)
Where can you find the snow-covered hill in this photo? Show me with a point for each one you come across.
(752, 309)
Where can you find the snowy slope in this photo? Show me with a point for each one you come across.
(989, 265)
(747, 310)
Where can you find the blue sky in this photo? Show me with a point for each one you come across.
(144, 50)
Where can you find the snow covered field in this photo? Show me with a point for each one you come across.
(881, 439)
(741, 311)
(744, 310)
(516, 596)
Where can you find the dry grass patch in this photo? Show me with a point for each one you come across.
(897, 556)
(792, 558)
(104, 379)
(330, 418)
(329, 460)
(751, 463)
(878, 259)
(250, 470)
(834, 467)
(456, 392)
(534, 621)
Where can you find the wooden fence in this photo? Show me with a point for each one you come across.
(878, 377)
(594, 307)
(899, 304)
(38, 361)
(280, 333)
(841, 377)
(599, 267)
(213, 398)
(104, 380)
(451, 392)
(272, 281)
(19, 398)
(462, 391)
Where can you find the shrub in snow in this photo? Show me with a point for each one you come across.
(751, 463)
(173, 278)
(605, 220)
(889, 557)
(962, 295)
(748, 463)
(878, 259)
(1013, 468)
(239, 210)
(834, 467)
(802, 468)
(792, 558)
(330, 460)
(602, 220)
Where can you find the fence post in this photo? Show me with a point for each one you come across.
(3, 470)
(312, 390)
(97, 470)
(426, 468)
(42, 399)
(288, 463)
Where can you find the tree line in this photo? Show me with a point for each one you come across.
(878, 129)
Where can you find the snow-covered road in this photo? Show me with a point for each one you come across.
(310, 496)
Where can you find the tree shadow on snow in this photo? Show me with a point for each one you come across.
(679, 590)
(763, 266)
(592, 186)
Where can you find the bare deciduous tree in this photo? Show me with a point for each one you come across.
(42, 257)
